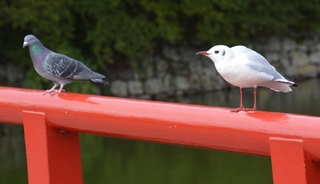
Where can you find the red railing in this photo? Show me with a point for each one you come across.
(52, 125)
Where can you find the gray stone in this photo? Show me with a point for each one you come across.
(135, 88)
(206, 62)
(180, 68)
(310, 44)
(309, 71)
(299, 58)
(148, 71)
(195, 82)
(137, 76)
(273, 44)
(168, 84)
(172, 53)
(302, 47)
(125, 73)
(182, 83)
(208, 83)
(291, 71)
(153, 86)
(210, 72)
(119, 88)
(288, 45)
(284, 59)
(189, 55)
(315, 57)
(195, 67)
(272, 57)
(162, 67)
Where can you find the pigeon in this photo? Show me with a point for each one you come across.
(245, 68)
(58, 68)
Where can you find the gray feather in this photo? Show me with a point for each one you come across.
(277, 81)
(99, 82)
(65, 67)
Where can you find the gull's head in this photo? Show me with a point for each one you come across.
(29, 40)
(216, 53)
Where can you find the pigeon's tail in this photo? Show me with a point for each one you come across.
(99, 82)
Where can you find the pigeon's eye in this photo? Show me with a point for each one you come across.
(216, 52)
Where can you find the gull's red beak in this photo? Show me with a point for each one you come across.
(204, 53)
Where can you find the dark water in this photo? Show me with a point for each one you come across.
(110, 160)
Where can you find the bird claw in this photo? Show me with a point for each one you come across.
(238, 109)
(52, 92)
(251, 109)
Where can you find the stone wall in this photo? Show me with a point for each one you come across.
(180, 71)
(176, 72)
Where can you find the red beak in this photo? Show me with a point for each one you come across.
(204, 53)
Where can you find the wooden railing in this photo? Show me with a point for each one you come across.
(52, 125)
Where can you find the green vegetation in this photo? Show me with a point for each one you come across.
(104, 33)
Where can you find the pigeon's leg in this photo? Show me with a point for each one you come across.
(241, 108)
(61, 88)
(255, 100)
(52, 89)
(57, 91)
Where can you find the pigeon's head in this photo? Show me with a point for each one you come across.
(217, 53)
(29, 40)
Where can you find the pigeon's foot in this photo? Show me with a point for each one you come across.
(48, 91)
(55, 92)
(52, 92)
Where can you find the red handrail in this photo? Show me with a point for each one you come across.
(292, 141)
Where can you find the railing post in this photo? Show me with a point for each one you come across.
(290, 164)
(53, 156)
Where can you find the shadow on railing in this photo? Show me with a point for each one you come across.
(52, 125)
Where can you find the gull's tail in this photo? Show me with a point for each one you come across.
(280, 85)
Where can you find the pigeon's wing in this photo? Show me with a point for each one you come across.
(62, 66)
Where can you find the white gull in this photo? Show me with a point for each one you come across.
(245, 68)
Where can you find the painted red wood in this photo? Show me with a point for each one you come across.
(290, 164)
(170, 123)
(52, 156)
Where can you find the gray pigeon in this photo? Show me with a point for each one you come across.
(58, 68)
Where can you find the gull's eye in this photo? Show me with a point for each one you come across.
(216, 52)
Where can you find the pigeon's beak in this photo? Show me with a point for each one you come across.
(204, 53)
(24, 44)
